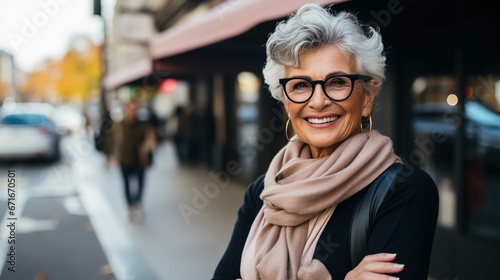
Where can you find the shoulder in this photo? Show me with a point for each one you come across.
(252, 202)
(258, 184)
(143, 123)
(411, 187)
(254, 190)
(414, 181)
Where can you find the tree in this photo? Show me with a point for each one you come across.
(73, 78)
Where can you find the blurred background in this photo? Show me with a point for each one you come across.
(67, 68)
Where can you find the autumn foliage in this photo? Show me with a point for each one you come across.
(73, 78)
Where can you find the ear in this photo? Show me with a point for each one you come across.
(370, 98)
(286, 105)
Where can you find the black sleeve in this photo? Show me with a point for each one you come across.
(405, 224)
(229, 266)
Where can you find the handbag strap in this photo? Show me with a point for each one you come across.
(366, 211)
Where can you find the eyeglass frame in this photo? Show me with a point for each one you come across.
(352, 77)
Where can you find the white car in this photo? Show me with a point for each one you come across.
(28, 136)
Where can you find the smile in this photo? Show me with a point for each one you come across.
(323, 120)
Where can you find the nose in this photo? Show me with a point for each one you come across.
(319, 100)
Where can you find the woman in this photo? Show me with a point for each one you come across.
(295, 221)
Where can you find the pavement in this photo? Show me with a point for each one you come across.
(189, 215)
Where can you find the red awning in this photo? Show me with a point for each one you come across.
(224, 21)
(136, 71)
(227, 20)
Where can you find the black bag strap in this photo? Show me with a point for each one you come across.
(366, 210)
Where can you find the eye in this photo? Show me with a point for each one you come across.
(337, 82)
(299, 85)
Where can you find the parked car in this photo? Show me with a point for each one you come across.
(43, 108)
(66, 118)
(28, 136)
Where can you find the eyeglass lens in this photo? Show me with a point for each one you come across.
(337, 88)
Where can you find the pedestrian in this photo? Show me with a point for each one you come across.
(156, 124)
(135, 140)
(184, 135)
(178, 135)
(295, 223)
(104, 139)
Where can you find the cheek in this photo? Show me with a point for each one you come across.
(354, 112)
(356, 105)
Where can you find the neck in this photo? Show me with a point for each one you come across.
(322, 152)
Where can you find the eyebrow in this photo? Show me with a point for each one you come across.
(327, 76)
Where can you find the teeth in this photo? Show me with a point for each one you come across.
(323, 120)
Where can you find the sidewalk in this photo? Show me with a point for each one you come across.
(168, 245)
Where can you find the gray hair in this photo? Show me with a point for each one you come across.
(313, 27)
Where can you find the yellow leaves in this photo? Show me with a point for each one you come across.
(73, 78)
(80, 74)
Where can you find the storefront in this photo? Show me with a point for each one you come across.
(222, 54)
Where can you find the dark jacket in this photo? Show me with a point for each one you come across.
(404, 224)
(128, 141)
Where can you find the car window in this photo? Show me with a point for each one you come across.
(25, 119)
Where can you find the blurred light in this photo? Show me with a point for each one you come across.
(419, 85)
(9, 104)
(164, 104)
(452, 99)
(168, 86)
(249, 87)
(116, 115)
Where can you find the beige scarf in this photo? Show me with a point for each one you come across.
(300, 194)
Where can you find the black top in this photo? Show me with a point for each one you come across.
(404, 224)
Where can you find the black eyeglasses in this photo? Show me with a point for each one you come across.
(336, 87)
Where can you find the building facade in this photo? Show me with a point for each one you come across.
(7, 76)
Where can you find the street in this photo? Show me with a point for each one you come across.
(49, 235)
(71, 220)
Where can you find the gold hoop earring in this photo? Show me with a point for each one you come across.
(370, 126)
(286, 131)
(371, 122)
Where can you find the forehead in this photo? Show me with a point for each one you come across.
(318, 63)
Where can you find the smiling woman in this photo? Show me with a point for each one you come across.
(332, 113)
(327, 69)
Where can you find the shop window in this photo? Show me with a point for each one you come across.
(248, 146)
(482, 159)
(435, 121)
(434, 126)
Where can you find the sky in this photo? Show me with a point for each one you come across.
(35, 30)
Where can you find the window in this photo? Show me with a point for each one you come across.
(435, 123)
(482, 157)
(248, 135)
(434, 127)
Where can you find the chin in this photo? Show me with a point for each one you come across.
(322, 144)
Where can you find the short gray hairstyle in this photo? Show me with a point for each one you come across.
(313, 27)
